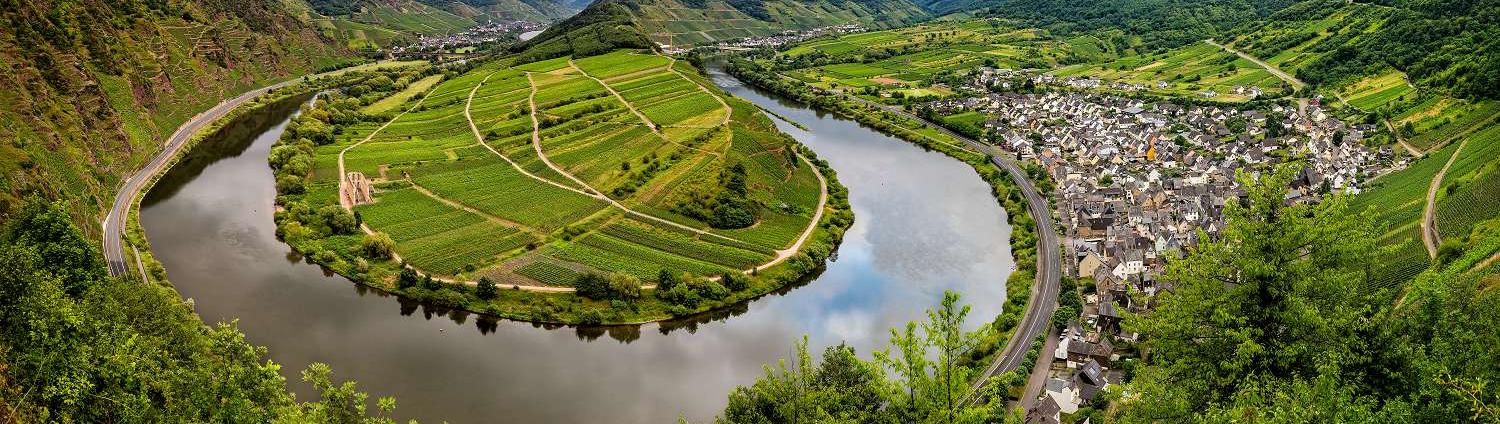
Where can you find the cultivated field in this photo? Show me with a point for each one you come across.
(538, 173)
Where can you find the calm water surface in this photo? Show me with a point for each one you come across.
(924, 223)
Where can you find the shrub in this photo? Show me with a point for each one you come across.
(592, 286)
(486, 289)
(735, 282)
(666, 280)
(407, 278)
(377, 246)
(624, 286)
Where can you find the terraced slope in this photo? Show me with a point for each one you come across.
(613, 163)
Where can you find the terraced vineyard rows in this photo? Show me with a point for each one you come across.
(462, 202)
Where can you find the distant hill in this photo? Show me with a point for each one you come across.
(697, 22)
(92, 88)
(1159, 23)
(441, 16)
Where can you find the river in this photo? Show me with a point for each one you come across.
(924, 223)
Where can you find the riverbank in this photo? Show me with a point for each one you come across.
(1024, 238)
(305, 223)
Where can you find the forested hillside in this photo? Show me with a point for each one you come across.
(697, 22)
(1449, 45)
(92, 88)
(440, 16)
(1159, 23)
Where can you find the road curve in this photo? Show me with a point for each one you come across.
(1043, 301)
(114, 222)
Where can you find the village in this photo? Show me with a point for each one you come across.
(1136, 181)
(783, 38)
(484, 33)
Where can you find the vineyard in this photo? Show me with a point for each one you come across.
(570, 167)
(1470, 191)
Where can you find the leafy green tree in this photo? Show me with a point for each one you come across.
(486, 288)
(1285, 291)
(666, 280)
(624, 286)
(592, 286)
(377, 246)
(407, 278)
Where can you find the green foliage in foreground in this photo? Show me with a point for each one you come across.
(1275, 322)
(79, 346)
(930, 386)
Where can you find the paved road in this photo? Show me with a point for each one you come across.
(1043, 302)
(114, 251)
(1298, 84)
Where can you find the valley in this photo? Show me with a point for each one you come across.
(1184, 211)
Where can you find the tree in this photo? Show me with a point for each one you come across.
(377, 246)
(945, 332)
(486, 288)
(592, 286)
(1283, 292)
(735, 282)
(666, 280)
(624, 286)
(407, 278)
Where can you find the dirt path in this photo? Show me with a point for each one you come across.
(647, 121)
(492, 218)
(728, 111)
(784, 254)
(1298, 84)
(536, 141)
(1430, 236)
(1399, 139)
(469, 103)
(343, 181)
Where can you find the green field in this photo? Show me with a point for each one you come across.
(525, 213)
(1470, 191)
(1374, 92)
(1187, 71)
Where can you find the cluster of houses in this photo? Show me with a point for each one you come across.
(1136, 181)
(781, 39)
(486, 32)
(985, 76)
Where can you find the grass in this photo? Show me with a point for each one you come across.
(1376, 91)
(391, 103)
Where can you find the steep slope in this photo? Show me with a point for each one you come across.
(441, 16)
(93, 87)
(698, 22)
(1159, 23)
(1448, 45)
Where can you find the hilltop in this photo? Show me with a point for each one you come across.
(646, 23)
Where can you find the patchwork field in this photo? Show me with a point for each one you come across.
(538, 173)
(1187, 71)
(915, 55)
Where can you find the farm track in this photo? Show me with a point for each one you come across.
(1430, 237)
(536, 141)
(492, 218)
(1268, 67)
(655, 129)
(343, 186)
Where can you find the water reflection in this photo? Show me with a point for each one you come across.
(924, 223)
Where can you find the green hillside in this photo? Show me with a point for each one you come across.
(697, 22)
(92, 91)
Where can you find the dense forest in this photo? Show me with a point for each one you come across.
(1451, 45)
(1159, 23)
(79, 346)
(1274, 322)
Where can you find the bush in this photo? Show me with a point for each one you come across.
(377, 246)
(408, 278)
(666, 280)
(735, 282)
(592, 286)
(624, 286)
(486, 289)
